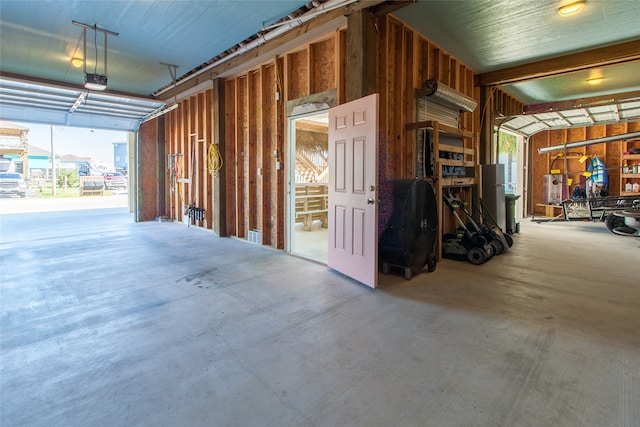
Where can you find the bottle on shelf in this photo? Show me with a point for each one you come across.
(636, 187)
(628, 187)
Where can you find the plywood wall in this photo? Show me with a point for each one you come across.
(256, 137)
(542, 164)
(187, 139)
(151, 172)
(407, 59)
(255, 124)
(504, 104)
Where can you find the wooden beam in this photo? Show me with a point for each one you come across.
(361, 77)
(608, 55)
(389, 6)
(219, 204)
(270, 49)
(328, 97)
(486, 131)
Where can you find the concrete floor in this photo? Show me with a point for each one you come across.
(109, 323)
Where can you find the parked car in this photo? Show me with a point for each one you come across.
(115, 180)
(12, 183)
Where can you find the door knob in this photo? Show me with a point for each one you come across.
(370, 201)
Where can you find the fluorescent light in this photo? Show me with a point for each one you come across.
(595, 81)
(572, 8)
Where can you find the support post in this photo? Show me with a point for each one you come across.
(361, 66)
(486, 130)
(219, 187)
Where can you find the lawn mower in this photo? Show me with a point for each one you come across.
(478, 249)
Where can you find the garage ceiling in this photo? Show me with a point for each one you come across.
(494, 35)
(39, 39)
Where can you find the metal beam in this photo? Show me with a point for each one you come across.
(577, 144)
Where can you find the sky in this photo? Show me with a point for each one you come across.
(81, 142)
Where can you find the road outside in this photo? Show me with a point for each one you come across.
(13, 205)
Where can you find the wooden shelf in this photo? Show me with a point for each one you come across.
(469, 159)
(626, 177)
(454, 162)
(441, 128)
(457, 182)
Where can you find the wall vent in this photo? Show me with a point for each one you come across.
(255, 236)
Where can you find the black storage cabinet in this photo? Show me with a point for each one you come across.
(409, 238)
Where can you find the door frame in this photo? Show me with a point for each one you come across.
(290, 168)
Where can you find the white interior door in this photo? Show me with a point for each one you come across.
(353, 209)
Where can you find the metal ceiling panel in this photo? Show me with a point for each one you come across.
(494, 34)
(597, 115)
(580, 120)
(574, 113)
(39, 39)
(630, 114)
(490, 35)
(48, 104)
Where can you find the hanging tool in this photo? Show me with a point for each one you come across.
(214, 159)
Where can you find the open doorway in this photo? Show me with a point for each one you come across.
(511, 149)
(308, 185)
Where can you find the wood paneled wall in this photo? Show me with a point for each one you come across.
(541, 164)
(188, 134)
(255, 123)
(256, 138)
(151, 189)
(407, 60)
(504, 104)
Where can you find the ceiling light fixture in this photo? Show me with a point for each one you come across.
(77, 62)
(572, 8)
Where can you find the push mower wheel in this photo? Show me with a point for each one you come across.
(498, 246)
(476, 256)
(431, 263)
(509, 239)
